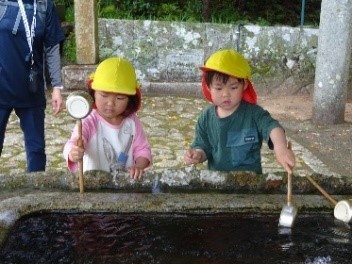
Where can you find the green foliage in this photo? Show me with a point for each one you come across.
(169, 12)
(193, 11)
(67, 3)
(269, 12)
(228, 16)
(262, 22)
(70, 14)
(133, 9)
(107, 11)
(69, 49)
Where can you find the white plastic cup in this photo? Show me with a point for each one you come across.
(343, 211)
(79, 104)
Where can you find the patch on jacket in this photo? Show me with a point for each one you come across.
(249, 139)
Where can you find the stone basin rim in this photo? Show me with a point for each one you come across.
(187, 180)
(156, 203)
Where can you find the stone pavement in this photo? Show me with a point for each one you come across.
(169, 123)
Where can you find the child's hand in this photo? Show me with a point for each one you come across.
(286, 158)
(76, 153)
(136, 173)
(194, 156)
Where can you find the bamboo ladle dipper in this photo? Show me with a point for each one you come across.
(343, 208)
(79, 105)
(288, 212)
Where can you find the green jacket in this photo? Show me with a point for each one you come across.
(233, 143)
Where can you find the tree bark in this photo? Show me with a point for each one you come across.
(206, 10)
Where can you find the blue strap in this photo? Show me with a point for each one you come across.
(42, 6)
(3, 7)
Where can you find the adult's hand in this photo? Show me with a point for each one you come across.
(56, 101)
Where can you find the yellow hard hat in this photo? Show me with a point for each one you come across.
(116, 75)
(229, 62)
(232, 63)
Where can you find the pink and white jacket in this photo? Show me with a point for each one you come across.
(104, 142)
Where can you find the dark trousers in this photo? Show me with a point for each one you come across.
(32, 125)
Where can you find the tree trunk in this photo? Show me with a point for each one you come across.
(206, 10)
(332, 64)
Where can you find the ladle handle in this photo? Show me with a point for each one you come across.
(326, 195)
(289, 188)
(80, 163)
(289, 180)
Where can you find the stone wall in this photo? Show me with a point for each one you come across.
(167, 54)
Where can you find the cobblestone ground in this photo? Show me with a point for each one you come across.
(169, 123)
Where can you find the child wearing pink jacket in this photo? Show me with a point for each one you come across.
(112, 134)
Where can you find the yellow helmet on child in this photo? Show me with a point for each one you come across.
(229, 62)
(116, 75)
(232, 63)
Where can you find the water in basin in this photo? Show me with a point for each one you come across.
(62, 237)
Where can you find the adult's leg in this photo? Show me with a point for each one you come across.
(32, 125)
(4, 118)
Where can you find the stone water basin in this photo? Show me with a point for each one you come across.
(223, 202)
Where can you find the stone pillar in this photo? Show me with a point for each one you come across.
(333, 61)
(86, 31)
